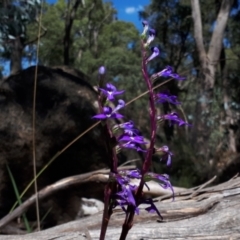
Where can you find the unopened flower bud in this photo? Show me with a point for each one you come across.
(155, 53)
(145, 27)
(102, 70)
(152, 34)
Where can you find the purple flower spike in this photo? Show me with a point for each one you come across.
(110, 91)
(168, 72)
(155, 53)
(102, 70)
(163, 97)
(173, 118)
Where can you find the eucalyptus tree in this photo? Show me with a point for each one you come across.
(15, 15)
(202, 38)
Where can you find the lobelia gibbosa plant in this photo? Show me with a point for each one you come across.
(119, 190)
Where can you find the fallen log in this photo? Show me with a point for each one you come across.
(201, 213)
(95, 176)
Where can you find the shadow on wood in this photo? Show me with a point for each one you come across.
(201, 213)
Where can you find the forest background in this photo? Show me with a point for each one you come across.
(199, 39)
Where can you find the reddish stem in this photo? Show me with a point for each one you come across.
(148, 159)
(112, 156)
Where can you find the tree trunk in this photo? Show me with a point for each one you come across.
(208, 63)
(16, 55)
(71, 13)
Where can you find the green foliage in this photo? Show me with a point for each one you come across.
(173, 22)
(15, 15)
(51, 48)
(19, 200)
(97, 38)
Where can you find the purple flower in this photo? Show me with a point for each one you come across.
(120, 105)
(155, 53)
(102, 70)
(133, 139)
(151, 36)
(127, 195)
(163, 97)
(132, 145)
(152, 208)
(166, 154)
(133, 174)
(128, 128)
(126, 125)
(145, 27)
(110, 91)
(173, 118)
(161, 179)
(109, 113)
(168, 72)
(130, 174)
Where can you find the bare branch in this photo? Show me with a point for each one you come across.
(99, 175)
(213, 214)
(96, 176)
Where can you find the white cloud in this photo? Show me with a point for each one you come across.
(132, 10)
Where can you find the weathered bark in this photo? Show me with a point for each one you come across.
(200, 214)
(208, 62)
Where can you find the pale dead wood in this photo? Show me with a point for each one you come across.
(212, 213)
(95, 176)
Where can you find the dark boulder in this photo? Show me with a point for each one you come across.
(65, 103)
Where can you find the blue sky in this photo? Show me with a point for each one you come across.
(128, 10)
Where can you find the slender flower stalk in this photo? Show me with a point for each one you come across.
(110, 139)
(153, 125)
